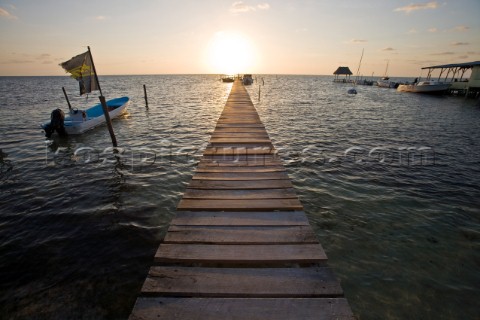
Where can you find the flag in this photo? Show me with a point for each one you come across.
(81, 68)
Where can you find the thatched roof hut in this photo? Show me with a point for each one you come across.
(342, 71)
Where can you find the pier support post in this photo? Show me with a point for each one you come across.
(145, 95)
(109, 121)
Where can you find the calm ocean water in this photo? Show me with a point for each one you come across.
(390, 182)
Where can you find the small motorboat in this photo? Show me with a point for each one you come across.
(247, 79)
(82, 69)
(429, 86)
(228, 78)
(78, 121)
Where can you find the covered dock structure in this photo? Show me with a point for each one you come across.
(343, 71)
(455, 73)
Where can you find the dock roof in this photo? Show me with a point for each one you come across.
(455, 65)
(343, 70)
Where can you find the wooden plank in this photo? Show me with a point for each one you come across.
(239, 205)
(167, 308)
(287, 193)
(240, 176)
(259, 162)
(240, 235)
(240, 135)
(244, 255)
(238, 140)
(277, 218)
(204, 167)
(242, 282)
(239, 130)
(239, 151)
(244, 185)
(240, 125)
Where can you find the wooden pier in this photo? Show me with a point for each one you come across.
(240, 246)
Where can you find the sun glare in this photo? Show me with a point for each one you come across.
(230, 53)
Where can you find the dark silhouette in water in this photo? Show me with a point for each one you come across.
(57, 119)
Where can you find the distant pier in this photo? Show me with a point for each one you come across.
(240, 246)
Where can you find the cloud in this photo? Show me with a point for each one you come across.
(358, 41)
(388, 49)
(460, 43)
(17, 61)
(100, 18)
(418, 6)
(461, 28)
(446, 53)
(263, 6)
(5, 14)
(242, 7)
(432, 30)
(462, 57)
(412, 31)
(43, 56)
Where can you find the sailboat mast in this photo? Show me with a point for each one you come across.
(358, 70)
(386, 69)
(95, 71)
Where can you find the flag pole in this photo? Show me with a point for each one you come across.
(104, 103)
(94, 71)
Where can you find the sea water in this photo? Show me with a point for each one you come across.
(390, 182)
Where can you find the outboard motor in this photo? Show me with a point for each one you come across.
(56, 123)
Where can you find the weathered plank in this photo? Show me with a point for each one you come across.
(240, 135)
(248, 162)
(240, 176)
(169, 308)
(239, 151)
(240, 235)
(245, 185)
(240, 130)
(239, 205)
(241, 282)
(239, 140)
(276, 218)
(245, 255)
(240, 125)
(287, 193)
(204, 167)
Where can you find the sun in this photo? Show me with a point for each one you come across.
(230, 53)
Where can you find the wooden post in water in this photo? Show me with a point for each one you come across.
(104, 104)
(66, 97)
(145, 94)
(109, 121)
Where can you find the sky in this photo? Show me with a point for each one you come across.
(249, 36)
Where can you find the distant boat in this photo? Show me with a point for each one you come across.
(247, 79)
(429, 86)
(80, 121)
(227, 78)
(82, 69)
(387, 84)
(353, 90)
(385, 81)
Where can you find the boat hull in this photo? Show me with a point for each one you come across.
(79, 122)
(434, 88)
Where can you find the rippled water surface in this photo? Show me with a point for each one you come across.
(390, 182)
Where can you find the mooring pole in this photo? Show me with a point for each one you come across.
(66, 97)
(104, 104)
(109, 122)
(145, 94)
